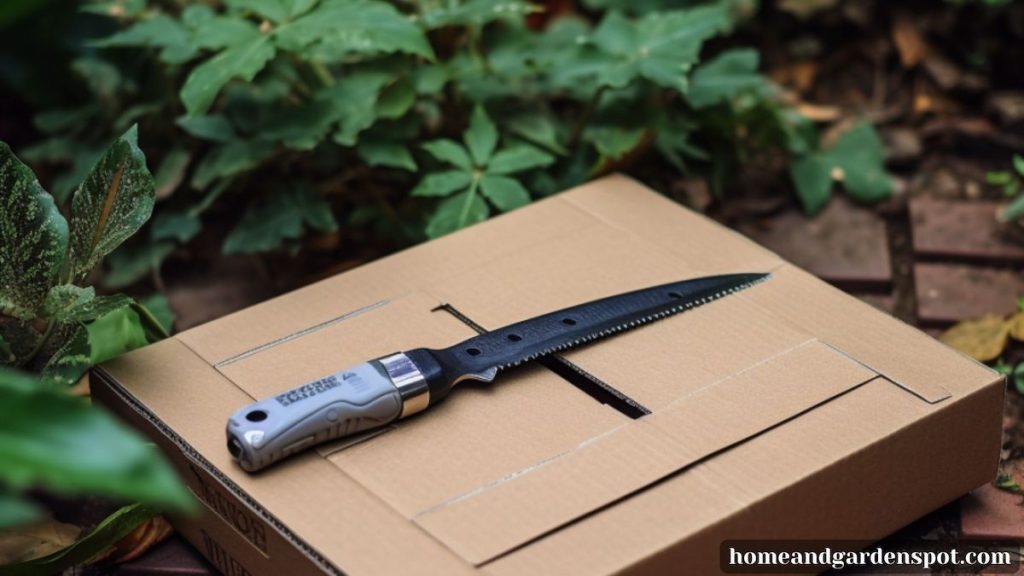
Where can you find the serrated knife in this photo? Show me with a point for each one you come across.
(396, 386)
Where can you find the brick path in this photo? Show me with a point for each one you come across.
(958, 266)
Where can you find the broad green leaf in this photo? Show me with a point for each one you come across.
(353, 103)
(396, 99)
(242, 61)
(282, 216)
(445, 150)
(457, 212)
(430, 79)
(213, 127)
(474, 13)
(339, 28)
(61, 299)
(110, 531)
(171, 172)
(229, 159)
(115, 333)
(273, 10)
(861, 155)
(661, 46)
(386, 153)
(69, 303)
(724, 77)
(813, 180)
(442, 183)
(614, 142)
(195, 14)
(299, 127)
(160, 31)
(33, 239)
(15, 511)
(102, 77)
(504, 192)
(68, 362)
(55, 440)
(856, 159)
(223, 32)
(481, 137)
(538, 128)
(113, 202)
(518, 157)
(180, 226)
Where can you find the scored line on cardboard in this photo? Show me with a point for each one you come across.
(299, 334)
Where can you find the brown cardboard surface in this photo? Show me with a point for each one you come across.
(495, 518)
(788, 410)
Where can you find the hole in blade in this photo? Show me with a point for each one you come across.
(571, 373)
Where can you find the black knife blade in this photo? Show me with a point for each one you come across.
(399, 385)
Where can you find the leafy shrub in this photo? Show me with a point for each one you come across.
(53, 323)
(314, 114)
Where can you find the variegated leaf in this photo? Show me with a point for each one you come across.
(113, 202)
(33, 239)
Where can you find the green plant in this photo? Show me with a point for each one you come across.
(53, 324)
(477, 172)
(855, 159)
(1010, 181)
(309, 116)
(45, 309)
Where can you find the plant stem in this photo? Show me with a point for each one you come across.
(39, 345)
(149, 321)
(469, 200)
(322, 73)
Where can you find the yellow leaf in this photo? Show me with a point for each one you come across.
(983, 339)
(142, 538)
(35, 540)
(1016, 323)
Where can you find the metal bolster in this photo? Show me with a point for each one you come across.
(410, 382)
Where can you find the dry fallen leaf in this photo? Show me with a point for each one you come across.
(908, 40)
(983, 339)
(144, 537)
(818, 112)
(1016, 324)
(35, 540)
(799, 76)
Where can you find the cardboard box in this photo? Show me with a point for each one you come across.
(789, 410)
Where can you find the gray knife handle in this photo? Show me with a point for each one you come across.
(360, 398)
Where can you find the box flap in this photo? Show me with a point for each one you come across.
(510, 512)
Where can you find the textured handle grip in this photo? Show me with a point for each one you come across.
(353, 400)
